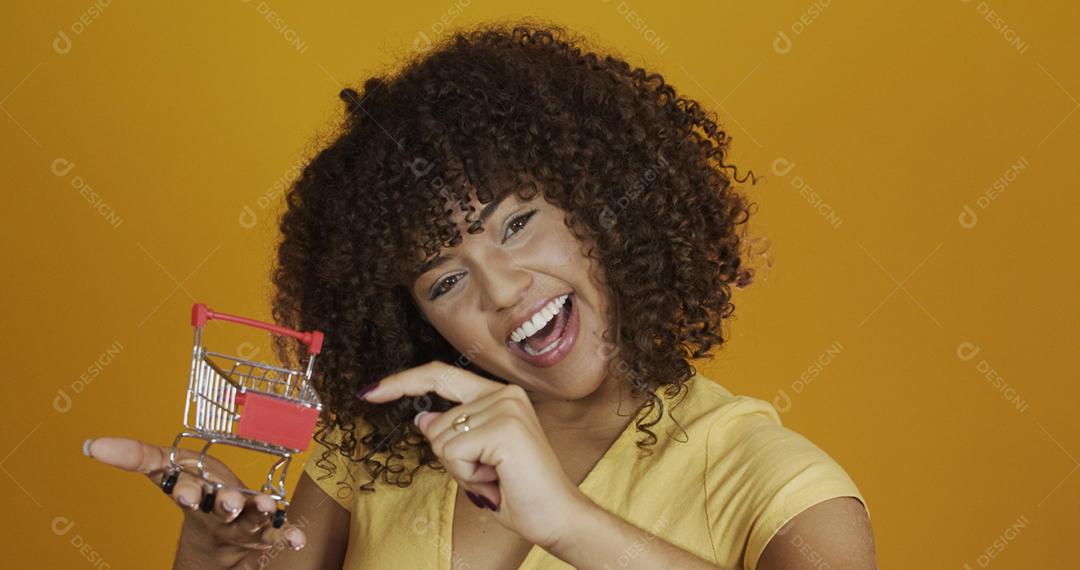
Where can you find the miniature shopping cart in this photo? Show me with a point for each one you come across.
(247, 404)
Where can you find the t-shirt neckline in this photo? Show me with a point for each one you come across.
(450, 499)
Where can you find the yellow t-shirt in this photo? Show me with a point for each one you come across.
(720, 487)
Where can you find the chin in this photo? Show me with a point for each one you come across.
(572, 385)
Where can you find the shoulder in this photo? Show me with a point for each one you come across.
(761, 475)
(335, 474)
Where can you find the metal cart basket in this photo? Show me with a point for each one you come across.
(248, 404)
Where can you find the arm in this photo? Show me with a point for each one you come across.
(601, 540)
(835, 532)
(324, 523)
(832, 534)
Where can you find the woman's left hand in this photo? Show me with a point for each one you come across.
(504, 456)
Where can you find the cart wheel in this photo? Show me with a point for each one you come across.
(207, 503)
(279, 518)
(168, 481)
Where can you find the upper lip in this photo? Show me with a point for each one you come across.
(527, 314)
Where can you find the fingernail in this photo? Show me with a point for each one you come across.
(86, 447)
(185, 501)
(366, 390)
(488, 503)
(476, 500)
(229, 507)
(416, 419)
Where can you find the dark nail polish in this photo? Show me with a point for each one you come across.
(488, 503)
(478, 501)
(365, 390)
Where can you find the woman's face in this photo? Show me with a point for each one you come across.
(492, 281)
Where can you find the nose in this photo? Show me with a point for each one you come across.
(502, 283)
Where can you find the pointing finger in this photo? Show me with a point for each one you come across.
(451, 382)
(128, 454)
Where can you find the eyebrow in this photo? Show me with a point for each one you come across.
(485, 213)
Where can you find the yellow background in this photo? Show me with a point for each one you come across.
(929, 358)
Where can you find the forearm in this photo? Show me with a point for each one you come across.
(196, 550)
(600, 540)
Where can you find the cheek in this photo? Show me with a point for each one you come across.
(585, 274)
(455, 330)
(558, 248)
(573, 265)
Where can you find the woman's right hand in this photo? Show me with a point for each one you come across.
(239, 522)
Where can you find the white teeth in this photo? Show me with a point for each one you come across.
(539, 320)
(528, 349)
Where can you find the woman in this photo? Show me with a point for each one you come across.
(511, 357)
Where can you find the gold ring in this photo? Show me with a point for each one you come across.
(461, 423)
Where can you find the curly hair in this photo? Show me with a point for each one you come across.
(640, 172)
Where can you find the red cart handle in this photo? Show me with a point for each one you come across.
(200, 313)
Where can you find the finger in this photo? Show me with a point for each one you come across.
(229, 504)
(134, 455)
(127, 454)
(463, 469)
(467, 468)
(188, 491)
(256, 515)
(434, 424)
(476, 473)
(489, 491)
(254, 527)
(462, 453)
(451, 382)
(439, 428)
(473, 474)
(263, 502)
(287, 535)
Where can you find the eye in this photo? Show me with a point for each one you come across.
(519, 223)
(523, 220)
(440, 289)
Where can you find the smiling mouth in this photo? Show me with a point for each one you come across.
(551, 343)
(543, 339)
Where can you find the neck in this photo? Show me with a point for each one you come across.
(602, 414)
